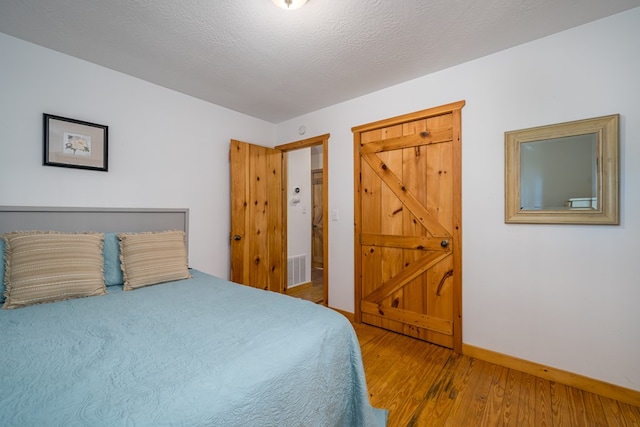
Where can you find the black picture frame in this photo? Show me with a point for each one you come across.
(72, 143)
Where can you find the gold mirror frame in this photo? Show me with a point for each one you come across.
(607, 172)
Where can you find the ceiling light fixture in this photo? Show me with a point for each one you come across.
(290, 4)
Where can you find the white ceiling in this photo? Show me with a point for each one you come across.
(252, 57)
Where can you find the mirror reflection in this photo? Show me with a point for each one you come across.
(559, 173)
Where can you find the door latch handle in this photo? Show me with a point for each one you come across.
(444, 243)
(237, 237)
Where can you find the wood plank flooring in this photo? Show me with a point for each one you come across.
(426, 385)
(313, 292)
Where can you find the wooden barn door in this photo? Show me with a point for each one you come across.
(317, 213)
(408, 224)
(257, 221)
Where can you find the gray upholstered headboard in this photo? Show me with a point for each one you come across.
(68, 219)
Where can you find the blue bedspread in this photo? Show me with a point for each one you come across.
(197, 352)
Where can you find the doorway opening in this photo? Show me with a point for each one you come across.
(305, 178)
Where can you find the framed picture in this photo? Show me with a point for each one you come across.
(73, 143)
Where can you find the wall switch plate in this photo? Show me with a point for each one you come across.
(335, 215)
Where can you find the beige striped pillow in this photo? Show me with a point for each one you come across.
(48, 266)
(150, 258)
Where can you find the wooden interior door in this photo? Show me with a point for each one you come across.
(317, 219)
(408, 224)
(257, 220)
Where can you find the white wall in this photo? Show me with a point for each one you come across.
(165, 149)
(316, 158)
(564, 296)
(299, 214)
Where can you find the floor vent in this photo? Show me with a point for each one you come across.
(296, 270)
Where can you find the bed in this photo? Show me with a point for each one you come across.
(194, 351)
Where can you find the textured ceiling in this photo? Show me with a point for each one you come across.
(252, 57)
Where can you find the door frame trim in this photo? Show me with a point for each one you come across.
(296, 145)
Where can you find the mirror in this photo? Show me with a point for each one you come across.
(565, 173)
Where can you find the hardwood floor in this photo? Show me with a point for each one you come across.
(426, 385)
(312, 292)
